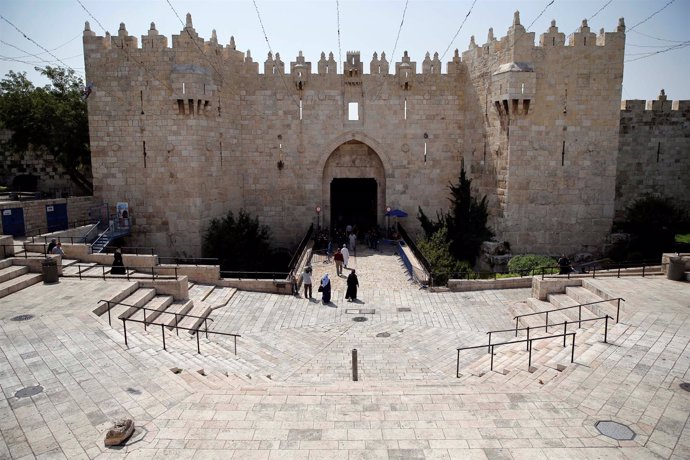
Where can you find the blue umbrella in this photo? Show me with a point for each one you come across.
(397, 213)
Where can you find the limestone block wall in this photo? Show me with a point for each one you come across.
(186, 132)
(35, 220)
(654, 153)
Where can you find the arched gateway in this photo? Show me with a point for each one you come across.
(353, 186)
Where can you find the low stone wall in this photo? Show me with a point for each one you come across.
(67, 236)
(35, 263)
(666, 259)
(207, 274)
(269, 286)
(178, 288)
(35, 220)
(481, 285)
(541, 288)
(82, 252)
(6, 246)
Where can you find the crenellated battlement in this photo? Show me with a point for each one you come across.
(509, 48)
(661, 104)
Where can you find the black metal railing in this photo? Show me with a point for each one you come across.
(188, 260)
(529, 349)
(153, 273)
(579, 313)
(177, 327)
(415, 250)
(275, 276)
(132, 250)
(39, 231)
(638, 269)
(300, 248)
(19, 251)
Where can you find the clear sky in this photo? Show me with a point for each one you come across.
(657, 48)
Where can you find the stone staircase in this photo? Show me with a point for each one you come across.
(14, 277)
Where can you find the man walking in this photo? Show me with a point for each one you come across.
(338, 259)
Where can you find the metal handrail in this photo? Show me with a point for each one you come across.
(183, 315)
(189, 260)
(593, 273)
(126, 275)
(300, 248)
(198, 348)
(415, 250)
(564, 324)
(273, 277)
(529, 349)
(75, 224)
(138, 250)
(618, 310)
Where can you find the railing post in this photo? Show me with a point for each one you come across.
(579, 317)
(206, 327)
(546, 327)
(144, 310)
(642, 270)
(355, 376)
(198, 349)
(79, 270)
(565, 331)
(109, 323)
(529, 361)
(618, 309)
(606, 329)
(488, 349)
(103, 270)
(528, 343)
(235, 345)
(457, 366)
(177, 329)
(492, 358)
(594, 271)
(619, 271)
(163, 333)
(124, 326)
(572, 353)
(517, 319)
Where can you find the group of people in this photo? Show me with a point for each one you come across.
(55, 247)
(341, 258)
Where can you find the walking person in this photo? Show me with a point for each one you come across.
(329, 251)
(325, 289)
(352, 285)
(338, 259)
(118, 264)
(346, 255)
(353, 242)
(306, 280)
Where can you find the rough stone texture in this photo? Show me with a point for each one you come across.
(197, 127)
(119, 433)
(35, 219)
(653, 156)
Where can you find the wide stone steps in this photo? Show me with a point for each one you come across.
(220, 296)
(199, 292)
(583, 295)
(12, 271)
(18, 283)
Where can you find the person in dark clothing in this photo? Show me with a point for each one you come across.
(118, 264)
(352, 284)
(564, 265)
(325, 289)
(52, 244)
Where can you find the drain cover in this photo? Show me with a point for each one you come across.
(22, 317)
(29, 391)
(359, 319)
(685, 386)
(615, 430)
(383, 334)
(404, 309)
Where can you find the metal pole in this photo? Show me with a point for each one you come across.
(206, 327)
(572, 353)
(457, 366)
(528, 342)
(109, 323)
(618, 309)
(488, 349)
(492, 357)
(235, 345)
(517, 319)
(163, 333)
(144, 310)
(355, 377)
(642, 270)
(606, 329)
(579, 317)
(546, 327)
(565, 332)
(124, 326)
(198, 349)
(529, 362)
(177, 330)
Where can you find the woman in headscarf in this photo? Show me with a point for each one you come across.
(325, 289)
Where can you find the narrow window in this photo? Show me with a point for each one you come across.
(300, 109)
(183, 92)
(522, 89)
(180, 106)
(405, 110)
(191, 106)
(425, 152)
(274, 70)
(353, 111)
(553, 41)
(585, 41)
(327, 69)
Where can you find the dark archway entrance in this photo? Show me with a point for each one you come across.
(354, 202)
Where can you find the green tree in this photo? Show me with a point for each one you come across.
(466, 221)
(53, 117)
(239, 243)
(436, 249)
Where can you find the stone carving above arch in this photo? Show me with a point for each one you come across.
(359, 136)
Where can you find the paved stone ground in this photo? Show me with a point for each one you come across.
(288, 393)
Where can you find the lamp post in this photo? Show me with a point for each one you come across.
(318, 218)
(388, 221)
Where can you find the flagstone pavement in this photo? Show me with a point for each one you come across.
(289, 394)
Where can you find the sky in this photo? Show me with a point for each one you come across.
(48, 32)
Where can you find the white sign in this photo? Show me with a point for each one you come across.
(7, 212)
(49, 209)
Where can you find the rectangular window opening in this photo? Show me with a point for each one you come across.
(353, 111)
(180, 106)
(191, 106)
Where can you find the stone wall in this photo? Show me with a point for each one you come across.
(183, 137)
(654, 154)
